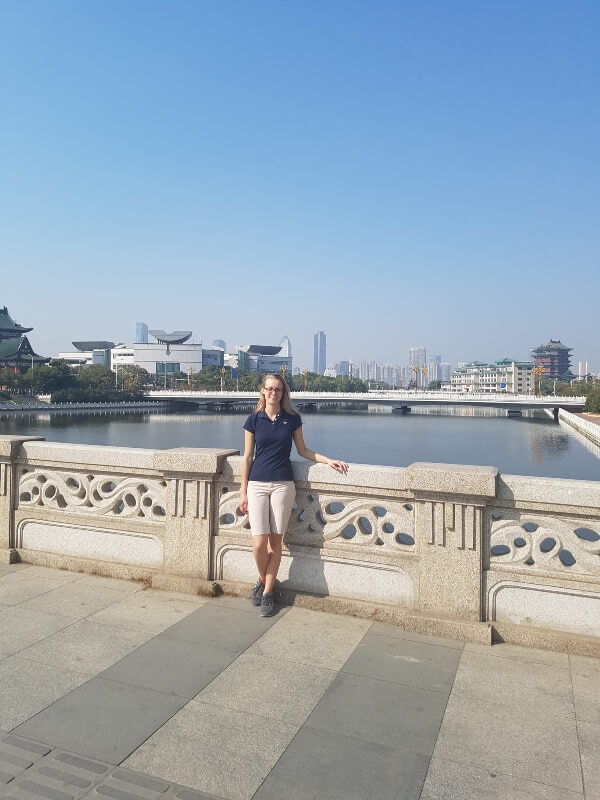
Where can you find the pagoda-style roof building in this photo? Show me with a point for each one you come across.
(16, 352)
(554, 358)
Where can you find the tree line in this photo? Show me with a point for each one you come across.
(97, 383)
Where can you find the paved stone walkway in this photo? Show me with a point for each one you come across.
(112, 691)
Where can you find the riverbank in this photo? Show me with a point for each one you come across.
(71, 408)
(586, 424)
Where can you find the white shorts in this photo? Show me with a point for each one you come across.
(270, 506)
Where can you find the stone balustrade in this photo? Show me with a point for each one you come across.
(441, 548)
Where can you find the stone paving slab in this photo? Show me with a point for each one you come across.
(277, 690)
(228, 753)
(222, 626)
(515, 682)
(404, 661)
(385, 629)
(589, 745)
(28, 687)
(312, 638)
(447, 780)
(172, 666)
(102, 719)
(19, 586)
(148, 610)
(77, 599)
(531, 655)
(380, 712)
(211, 702)
(585, 674)
(328, 766)
(21, 627)
(85, 646)
(504, 739)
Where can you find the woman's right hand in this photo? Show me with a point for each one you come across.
(243, 505)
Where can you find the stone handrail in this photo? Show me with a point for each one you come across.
(458, 550)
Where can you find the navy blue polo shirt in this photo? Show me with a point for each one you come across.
(272, 445)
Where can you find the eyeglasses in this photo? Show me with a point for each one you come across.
(273, 389)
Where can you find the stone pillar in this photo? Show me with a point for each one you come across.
(190, 475)
(9, 485)
(449, 511)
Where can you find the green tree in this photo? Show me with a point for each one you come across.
(133, 380)
(592, 403)
(47, 378)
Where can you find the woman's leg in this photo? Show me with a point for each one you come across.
(260, 551)
(274, 560)
(281, 503)
(259, 507)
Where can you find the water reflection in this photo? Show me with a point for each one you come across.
(530, 445)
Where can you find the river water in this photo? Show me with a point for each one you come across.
(529, 445)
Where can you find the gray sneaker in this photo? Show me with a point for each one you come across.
(267, 607)
(257, 593)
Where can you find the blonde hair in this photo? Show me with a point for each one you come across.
(285, 403)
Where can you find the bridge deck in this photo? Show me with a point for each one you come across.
(392, 398)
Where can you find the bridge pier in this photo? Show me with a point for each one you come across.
(555, 414)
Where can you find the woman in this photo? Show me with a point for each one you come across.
(267, 493)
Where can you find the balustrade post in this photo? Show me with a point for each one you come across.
(449, 521)
(190, 525)
(9, 484)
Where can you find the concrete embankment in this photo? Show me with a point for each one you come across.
(71, 408)
(586, 425)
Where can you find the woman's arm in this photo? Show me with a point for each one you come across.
(339, 466)
(246, 463)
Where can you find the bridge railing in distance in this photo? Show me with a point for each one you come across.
(445, 549)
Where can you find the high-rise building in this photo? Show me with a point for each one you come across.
(417, 356)
(320, 352)
(219, 343)
(141, 333)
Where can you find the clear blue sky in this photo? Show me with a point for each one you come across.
(394, 173)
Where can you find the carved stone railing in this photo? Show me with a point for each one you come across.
(446, 542)
(120, 511)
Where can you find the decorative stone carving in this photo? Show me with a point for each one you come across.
(541, 543)
(93, 494)
(189, 498)
(322, 518)
(451, 522)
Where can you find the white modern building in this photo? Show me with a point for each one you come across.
(506, 375)
(121, 356)
(88, 352)
(263, 358)
(160, 359)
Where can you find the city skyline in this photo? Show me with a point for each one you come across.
(394, 174)
(396, 370)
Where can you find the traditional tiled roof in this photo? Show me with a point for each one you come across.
(12, 350)
(9, 326)
(552, 345)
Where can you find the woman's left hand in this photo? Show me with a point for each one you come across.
(338, 466)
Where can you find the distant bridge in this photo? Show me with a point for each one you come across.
(399, 400)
